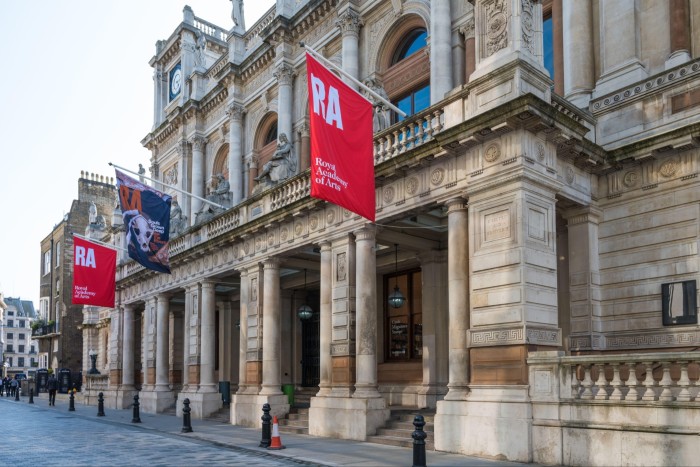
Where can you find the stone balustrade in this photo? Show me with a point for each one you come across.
(408, 134)
(210, 29)
(252, 36)
(629, 378)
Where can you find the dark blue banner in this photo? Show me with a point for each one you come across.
(146, 213)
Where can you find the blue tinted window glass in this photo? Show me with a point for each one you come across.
(421, 99)
(405, 105)
(416, 43)
(548, 46)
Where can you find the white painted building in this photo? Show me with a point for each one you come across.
(20, 351)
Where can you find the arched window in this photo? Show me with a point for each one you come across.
(407, 77)
(271, 135)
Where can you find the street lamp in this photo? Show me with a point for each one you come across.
(93, 356)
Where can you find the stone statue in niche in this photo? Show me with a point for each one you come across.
(178, 221)
(282, 166)
(380, 118)
(237, 14)
(220, 195)
(92, 213)
(200, 50)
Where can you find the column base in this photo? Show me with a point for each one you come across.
(202, 404)
(479, 426)
(246, 409)
(156, 401)
(124, 397)
(347, 418)
(624, 75)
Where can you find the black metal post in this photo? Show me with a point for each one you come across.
(266, 426)
(31, 395)
(419, 442)
(186, 423)
(71, 406)
(100, 405)
(17, 392)
(136, 418)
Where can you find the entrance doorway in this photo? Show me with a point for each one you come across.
(311, 344)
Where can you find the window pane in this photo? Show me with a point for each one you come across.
(405, 105)
(413, 45)
(548, 46)
(421, 99)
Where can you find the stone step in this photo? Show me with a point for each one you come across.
(299, 416)
(296, 430)
(404, 425)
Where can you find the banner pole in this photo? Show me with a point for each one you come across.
(353, 79)
(99, 242)
(170, 186)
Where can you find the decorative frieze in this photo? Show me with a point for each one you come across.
(514, 336)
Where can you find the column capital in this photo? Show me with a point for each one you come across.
(325, 245)
(368, 232)
(456, 204)
(588, 214)
(271, 263)
(235, 112)
(198, 142)
(350, 23)
(304, 129)
(181, 148)
(284, 74)
(467, 29)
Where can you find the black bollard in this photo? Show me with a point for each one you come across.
(71, 405)
(31, 395)
(266, 433)
(419, 442)
(186, 424)
(100, 405)
(17, 393)
(136, 418)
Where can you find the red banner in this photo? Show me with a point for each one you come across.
(342, 164)
(94, 272)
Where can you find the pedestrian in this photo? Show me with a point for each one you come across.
(52, 385)
(14, 387)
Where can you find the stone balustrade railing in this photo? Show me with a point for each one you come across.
(661, 377)
(252, 36)
(408, 134)
(210, 29)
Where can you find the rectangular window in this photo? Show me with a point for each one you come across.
(678, 303)
(58, 254)
(10, 323)
(548, 45)
(20, 361)
(21, 348)
(47, 262)
(32, 349)
(22, 336)
(10, 348)
(10, 335)
(9, 359)
(404, 325)
(10, 313)
(21, 323)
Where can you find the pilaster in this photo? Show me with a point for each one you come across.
(343, 316)
(271, 382)
(235, 113)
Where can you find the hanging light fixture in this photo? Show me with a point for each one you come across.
(396, 299)
(304, 312)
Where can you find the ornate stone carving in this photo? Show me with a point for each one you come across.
(313, 222)
(631, 179)
(330, 216)
(284, 74)
(437, 176)
(492, 153)
(350, 23)
(342, 273)
(540, 152)
(284, 234)
(235, 112)
(569, 175)
(171, 175)
(669, 168)
(198, 143)
(526, 18)
(388, 194)
(496, 26)
(412, 185)
(468, 29)
(282, 166)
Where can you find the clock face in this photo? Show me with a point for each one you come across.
(175, 81)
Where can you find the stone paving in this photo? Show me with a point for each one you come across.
(54, 435)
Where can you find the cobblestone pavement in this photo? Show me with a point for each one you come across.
(34, 436)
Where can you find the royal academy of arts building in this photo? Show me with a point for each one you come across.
(531, 277)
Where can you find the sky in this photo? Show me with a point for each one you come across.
(76, 92)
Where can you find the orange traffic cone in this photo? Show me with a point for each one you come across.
(276, 442)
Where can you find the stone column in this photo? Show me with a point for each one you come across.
(469, 48)
(208, 338)
(305, 156)
(366, 314)
(326, 325)
(679, 14)
(271, 383)
(162, 342)
(243, 343)
(584, 282)
(191, 309)
(284, 75)
(350, 23)
(128, 348)
(579, 61)
(440, 50)
(235, 151)
(149, 344)
(342, 315)
(198, 143)
(458, 301)
(620, 55)
(185, 202)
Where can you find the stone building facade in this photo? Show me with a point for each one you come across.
(60, 336)
(538, 209)
(20, 350)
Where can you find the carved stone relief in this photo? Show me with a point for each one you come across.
(496, 26)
